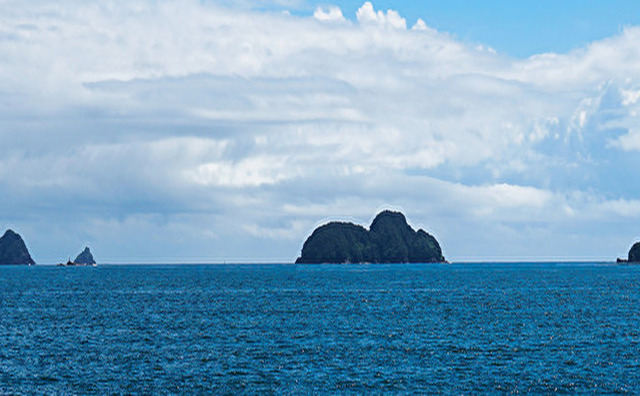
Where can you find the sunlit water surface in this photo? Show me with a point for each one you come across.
(460, 328)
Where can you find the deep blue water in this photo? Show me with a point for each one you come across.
(460, 328)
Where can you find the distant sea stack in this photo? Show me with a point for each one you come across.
(389, 240)
(13, 250)
(85, 258)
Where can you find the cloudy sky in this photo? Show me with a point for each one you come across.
(213, 131)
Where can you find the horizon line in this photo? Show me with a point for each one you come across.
(564, 261)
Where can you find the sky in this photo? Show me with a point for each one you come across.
(518, 28)
(226, 131)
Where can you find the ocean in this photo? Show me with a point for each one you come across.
(290, 329)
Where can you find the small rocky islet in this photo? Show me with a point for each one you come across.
(85, 258)
(389, 239)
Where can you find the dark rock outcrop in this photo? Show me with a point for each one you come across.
(85, 258)
(13, 250)
(634, 253)
(389, 240)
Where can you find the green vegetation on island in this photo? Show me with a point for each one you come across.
(13, 250)
(389, 240)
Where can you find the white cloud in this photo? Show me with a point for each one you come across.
(366, 15)
(420, 25)
(150, 114)
(255, 171)
(628, 142)
(630, 96)
(331, 14)
(620, 208)
(507, 196)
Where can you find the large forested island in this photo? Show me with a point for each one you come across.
(389, 240)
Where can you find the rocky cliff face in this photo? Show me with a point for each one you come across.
(634, 253)
(389, 240)
(13, 250)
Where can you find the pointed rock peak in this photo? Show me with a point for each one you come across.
(10, 234)
(13, 250)
(85, 257)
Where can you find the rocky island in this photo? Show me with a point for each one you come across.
(634, 254)
(389, 240)
(85, 258)
(13, 250)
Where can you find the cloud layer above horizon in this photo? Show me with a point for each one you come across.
(188, 131)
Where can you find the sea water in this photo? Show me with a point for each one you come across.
(458, 328)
